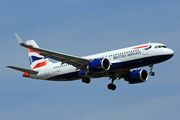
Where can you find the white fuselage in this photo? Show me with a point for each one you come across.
(121, 59)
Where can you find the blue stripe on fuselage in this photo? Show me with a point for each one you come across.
(66, 77)
(148, 48)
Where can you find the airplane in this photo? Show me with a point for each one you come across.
(116, 64)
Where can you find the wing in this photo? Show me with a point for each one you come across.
(78, 62)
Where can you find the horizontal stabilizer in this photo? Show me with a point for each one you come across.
(23, 70)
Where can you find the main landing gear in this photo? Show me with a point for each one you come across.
(151, 72)
(112, 86)
(86, 80)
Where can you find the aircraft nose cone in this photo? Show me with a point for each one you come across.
(170, 53)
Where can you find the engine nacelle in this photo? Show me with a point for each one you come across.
(137, 76)
(98, 65)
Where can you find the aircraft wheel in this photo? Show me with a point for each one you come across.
(152, 73)
(86, 80)
(111, 86)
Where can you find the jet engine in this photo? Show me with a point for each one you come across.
(99, 65)
(137, 76)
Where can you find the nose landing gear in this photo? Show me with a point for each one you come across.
(151, 72)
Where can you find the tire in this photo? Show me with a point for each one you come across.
(152, 73)
(86, 80)
(111, 86)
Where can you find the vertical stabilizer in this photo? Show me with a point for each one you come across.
(36, 60)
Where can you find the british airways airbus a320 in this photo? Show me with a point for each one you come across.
(116, 64)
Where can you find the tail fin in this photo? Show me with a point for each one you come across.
(36, 60)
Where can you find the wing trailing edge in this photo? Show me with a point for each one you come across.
(75, 61)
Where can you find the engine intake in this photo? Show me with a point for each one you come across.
(99, 65)
(137, 76)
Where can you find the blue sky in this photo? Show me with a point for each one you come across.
(80, 27)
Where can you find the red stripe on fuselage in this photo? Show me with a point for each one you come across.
(40, 64)
(142, 46)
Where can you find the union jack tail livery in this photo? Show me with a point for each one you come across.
(36, 60)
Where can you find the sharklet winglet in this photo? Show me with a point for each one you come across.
(19, 39)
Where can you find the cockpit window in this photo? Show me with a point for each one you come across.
(160, 46)
(164, 46)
